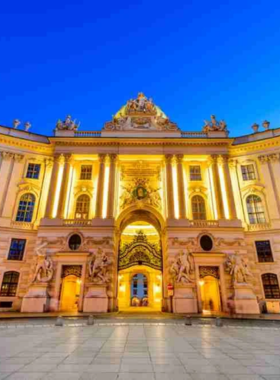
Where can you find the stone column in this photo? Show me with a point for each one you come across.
(64, 186)
(10, 196)
(112, 183)
(58, 160)
(269, 180)
(169, 186)
(5, 175)
(217, 187)
(100, 186)
(181, 186)
(228, 185)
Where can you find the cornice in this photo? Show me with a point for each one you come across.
(170, 142)
(255, 146)
(19, 143)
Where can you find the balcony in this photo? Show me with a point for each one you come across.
(77, 222)
(259, 227)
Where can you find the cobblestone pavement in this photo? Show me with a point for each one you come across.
(139, 352)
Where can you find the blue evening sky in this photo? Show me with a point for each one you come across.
(87, 58)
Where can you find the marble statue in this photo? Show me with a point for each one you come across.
(98, 267)
(182, 267)
(238, 269)
(68, 124)
(214, 125)
(44, 270)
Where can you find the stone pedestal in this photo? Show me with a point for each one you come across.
(37, 299)
(245, 301)
(184, 299)
(96, 299)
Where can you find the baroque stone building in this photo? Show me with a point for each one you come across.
(140, 214)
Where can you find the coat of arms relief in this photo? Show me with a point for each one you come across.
(140, 191)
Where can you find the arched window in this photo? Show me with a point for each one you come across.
(25, 208)
(255, 209)
(9, 284)
(82, 207)
(271, 285)
(198, 208)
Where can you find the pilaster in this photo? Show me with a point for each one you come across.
(58, 161)
(181, 186)
(100, 186)
(112, 183)
(64, 186)
(169, 186)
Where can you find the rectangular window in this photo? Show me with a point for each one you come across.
(86, 172)
(248, 172)
(6, 304)
(195, 173)
(17, 249)
(264, 251)
(33, 171)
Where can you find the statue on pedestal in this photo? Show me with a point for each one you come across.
(182, 267)
(98, 267)
(238, 269)
(44, 269)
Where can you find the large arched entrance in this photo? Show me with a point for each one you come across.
(140, 264)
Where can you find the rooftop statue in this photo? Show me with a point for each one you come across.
(214, 125)
(68, 124)
(140, 114)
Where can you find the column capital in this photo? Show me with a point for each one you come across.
(113, 158)
(102, 158)
(68, 158)
(18, 157)
(179, 158)
(232, 163)
(48, 161)
(7, 156)
(59, 158)
(168, 158)
(263, 159)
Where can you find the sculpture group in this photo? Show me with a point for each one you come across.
(182, 267)
(98, 267)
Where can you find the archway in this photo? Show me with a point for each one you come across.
(70, 287)
(140, 264)
(210, 294)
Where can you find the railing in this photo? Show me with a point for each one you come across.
(77, 222)
(193, 134)
(258, 227)
(23, 225)
(87, 134)
(204, 223)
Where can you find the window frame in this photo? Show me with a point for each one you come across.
(196, 174)
(263, 287)
(23, 253)
(204, 203)
(24, 211)
(33, 171)
(86, 173)
(257, 254)
(247, 173)
(83, 212)
(256, 213)
(8, 295)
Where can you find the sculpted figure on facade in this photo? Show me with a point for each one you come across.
(214, 125)
(98, 267)
(68, 124)
(44, 269)
(140, 114)
(142, 191)
(238, 269)
(182, 267)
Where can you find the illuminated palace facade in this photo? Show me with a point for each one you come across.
(140, 215)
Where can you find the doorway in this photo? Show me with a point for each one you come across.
(140, 268)
(210, 294)
(70, 287)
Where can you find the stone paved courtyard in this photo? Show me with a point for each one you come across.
(139, 352)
